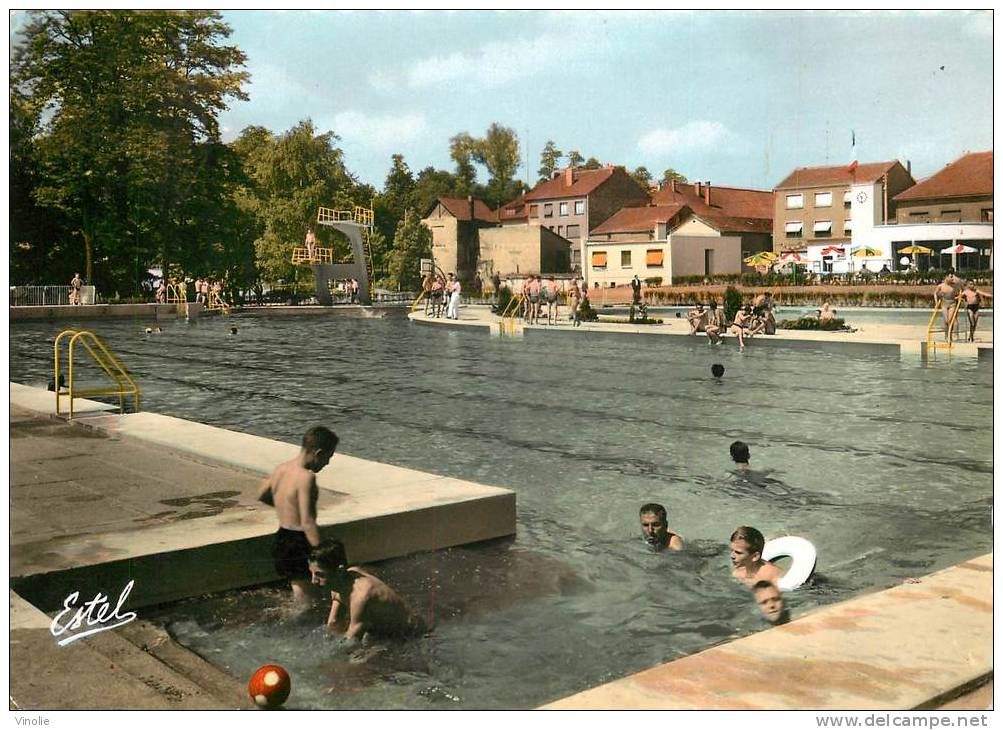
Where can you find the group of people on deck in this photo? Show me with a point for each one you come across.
(752, 319)
(442, 294)
(946, 295)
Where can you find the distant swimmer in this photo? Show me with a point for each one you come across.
(360, 602)
(233, 329)
(771, 602)
(292, 489)
(740, 455)
(655, 529)
(717, 370)
(747, 558)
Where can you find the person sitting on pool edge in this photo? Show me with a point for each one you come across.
(740, 455)
(771, 602)
(360, 602)
(655, 529)
(747, 545)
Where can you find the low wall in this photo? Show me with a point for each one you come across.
(100, 311)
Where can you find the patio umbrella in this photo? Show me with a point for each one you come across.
(955, 250)
(763, 258)
(793, 256)
(832, 251)
(913, 250)
(862, 252)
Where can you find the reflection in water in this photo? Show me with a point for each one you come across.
(853, 455)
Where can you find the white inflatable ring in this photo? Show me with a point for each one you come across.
(801, 551)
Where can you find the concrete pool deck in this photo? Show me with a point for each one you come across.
(126, 494)
(914, 646)
(891, 338)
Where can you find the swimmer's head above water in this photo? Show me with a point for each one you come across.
(771, 602)
(655, 529)
(740, 453)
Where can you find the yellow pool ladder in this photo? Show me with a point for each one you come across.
(931, 343)
(514, 307)
(216, 302)
(420, 298)
(106, 360)
(177, 293)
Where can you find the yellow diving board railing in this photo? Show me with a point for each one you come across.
(360, 215)
(105, 359)
(301, 255)
(952, 323)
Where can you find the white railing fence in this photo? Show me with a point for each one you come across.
(45, 296)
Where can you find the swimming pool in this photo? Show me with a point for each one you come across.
(884, 463)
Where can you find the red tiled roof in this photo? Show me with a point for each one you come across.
(459, 208)
(736, 224)
(514, 211)
(970, 175)
(733, 202)
(584, 182)
(635, 220)
(811, 177)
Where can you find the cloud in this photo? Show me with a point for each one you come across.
(493, 64)
(376, 131)
(692, 136)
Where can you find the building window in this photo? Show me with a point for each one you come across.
(563, 208)
(919, 216)
(847, 200)
(823, 200)
(655, 258)
(534, 211)
(847, 228)
(579, 207)
(573, 231)
(598, 259)
(987, 215)
(823, 229)
(793, 229)
(950, 216)
(548, 210)
(795, 201)
(625, 259)
(560, 230)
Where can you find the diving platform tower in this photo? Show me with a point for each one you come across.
(357, 225)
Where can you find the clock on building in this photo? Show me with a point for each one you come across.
(861, 197)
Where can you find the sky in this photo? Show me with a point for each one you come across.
(737, 98)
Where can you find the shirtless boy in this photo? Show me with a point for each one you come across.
(715, 323)
(972, 299)
(740, 455)
(292, 489)
(945, 295)
(771, 602)
(747, 556)
(655, 530)
(360, 602)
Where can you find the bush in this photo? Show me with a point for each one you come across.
(504, 297)
(812, 323)
(653, 281)
(732, 303)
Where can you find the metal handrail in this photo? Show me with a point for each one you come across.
(105, 359)
(301, 255)
(952, 322)
(416, 302)
(216, 302)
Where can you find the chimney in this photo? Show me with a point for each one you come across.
(569, 176)
(697, 186)
(908, 167)
(470, 204)
(706, 195)
(673, 185)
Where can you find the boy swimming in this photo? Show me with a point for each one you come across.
(747, 557)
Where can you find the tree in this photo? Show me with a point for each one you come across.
(591, 164)
(498, 151)
(575, 158)
(550, 160)
(669, 175)
(430, 185)
(461, 149)
(412, 242)
(126, 102)
(642, 176)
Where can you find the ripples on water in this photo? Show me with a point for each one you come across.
(885, 464)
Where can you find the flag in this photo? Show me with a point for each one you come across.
(853, 153)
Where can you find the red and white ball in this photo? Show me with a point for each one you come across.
(269, 686)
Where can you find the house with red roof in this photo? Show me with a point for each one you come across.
(455, 224)
(818, 209)
(688, 229)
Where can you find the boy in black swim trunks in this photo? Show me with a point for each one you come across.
(292, 489)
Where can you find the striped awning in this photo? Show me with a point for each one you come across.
(794, 226)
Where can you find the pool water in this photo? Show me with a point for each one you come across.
(885, 464)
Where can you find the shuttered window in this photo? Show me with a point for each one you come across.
(599, 259)
(655, 257)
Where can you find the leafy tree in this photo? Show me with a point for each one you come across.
(126, 103)
(550, 160)
(669, 175)
(412, 242)
(498, 151)
(642, 176)
(591, 164)
(430, 185)
(462, 149)
(575, 158)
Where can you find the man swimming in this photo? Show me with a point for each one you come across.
(740, 455)
(771, 602)
(747, 545)
(655, 529)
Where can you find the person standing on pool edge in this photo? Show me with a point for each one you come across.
(747, 545)
(655, 529)
(292, 489)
